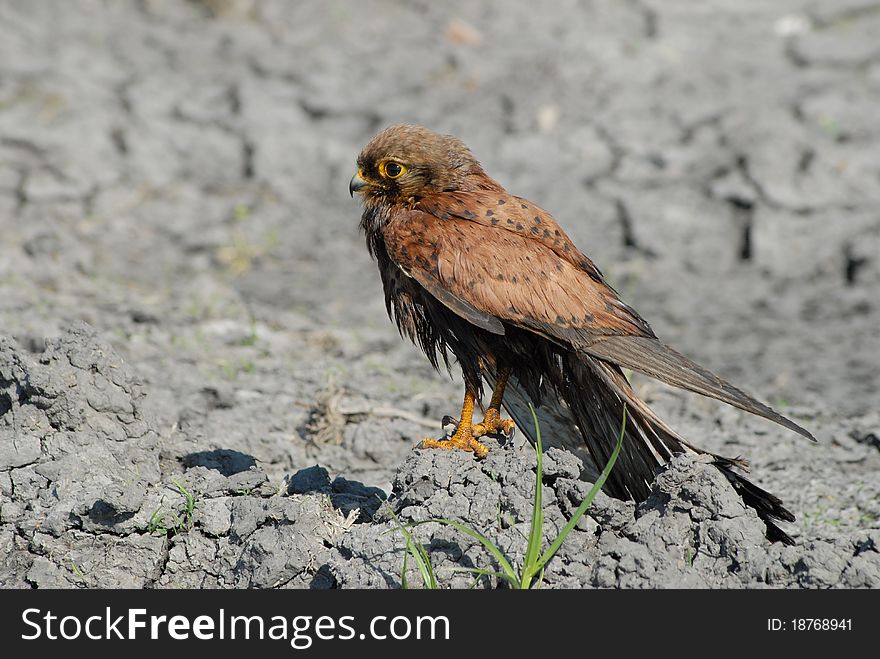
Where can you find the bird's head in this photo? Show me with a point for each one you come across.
(404, 163)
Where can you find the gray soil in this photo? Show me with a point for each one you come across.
(198, 383)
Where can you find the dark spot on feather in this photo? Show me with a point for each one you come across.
(556, 232)
(513, 279)
(499, 277)
(560, 320)
(588, 317)
(556, 243)
(537, 220)
(494, 221)
(519, 227)
(608, 306)
(511, 309)
(490, 213)
(546, 233)
(445, 216)
(468, 214)
(471, 284)
(535, 231)
(567, 247)
(558, 267)
(509, 221)
(523, 206)
(501, 202)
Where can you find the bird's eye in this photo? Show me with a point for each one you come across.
(391, 169)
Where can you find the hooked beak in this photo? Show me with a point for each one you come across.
(357, 184)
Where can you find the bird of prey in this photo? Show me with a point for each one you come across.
(469, 269)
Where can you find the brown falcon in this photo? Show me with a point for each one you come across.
(470, 269)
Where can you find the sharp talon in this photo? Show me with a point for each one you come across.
(493, 424)
(464, 437)
(510, 433)
(480, 450)
(463, 441)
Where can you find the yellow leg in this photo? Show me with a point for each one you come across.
(492, 423)
(463, 438)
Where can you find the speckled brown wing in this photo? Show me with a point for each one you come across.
(489, 272)
(513, 214)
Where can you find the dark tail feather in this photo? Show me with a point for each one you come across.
(768, 506)
(581, 410)
(581, 406)
(596, 393)
(649, 356)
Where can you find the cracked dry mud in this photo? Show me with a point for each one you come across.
(198, 384)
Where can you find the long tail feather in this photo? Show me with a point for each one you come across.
(581, 406)
(768, 506)
(653, 358)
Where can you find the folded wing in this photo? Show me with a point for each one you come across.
(492, 273)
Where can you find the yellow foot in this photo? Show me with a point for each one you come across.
(462, 439)
(493, 424)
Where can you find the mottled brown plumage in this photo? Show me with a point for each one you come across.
(471, 270)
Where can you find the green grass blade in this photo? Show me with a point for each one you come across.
(403, 582)
(536, 533)
(480, 572)
(419, 554)
(424, 563)
(485, 572)
(575, 518)
(507, 571)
